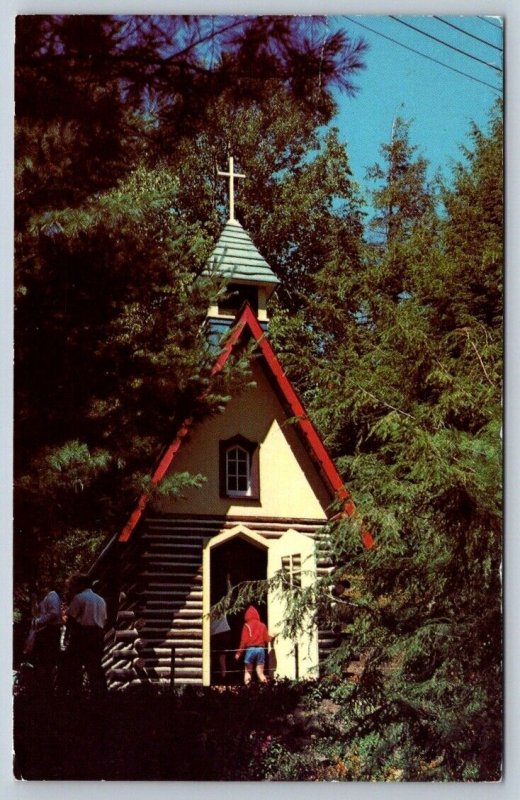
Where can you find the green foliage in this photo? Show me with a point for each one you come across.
(172, 485)
(117, 210)
(409, 402)
(99, 286)
(391, 331)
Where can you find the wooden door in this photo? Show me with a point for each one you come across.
(295, 657)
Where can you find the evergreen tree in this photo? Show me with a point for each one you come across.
(414, 422)
(109, 356)
(117, 210)
(395, 342)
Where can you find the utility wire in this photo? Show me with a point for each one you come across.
(486, 19)
(419, 53)
(441, 41)
(467, 33)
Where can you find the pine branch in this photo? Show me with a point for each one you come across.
(384, 403)
(474, 346)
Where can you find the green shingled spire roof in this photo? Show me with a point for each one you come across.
(236, 258)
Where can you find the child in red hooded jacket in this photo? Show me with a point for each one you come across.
(255, 637)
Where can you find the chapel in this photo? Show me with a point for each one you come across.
(270, 488)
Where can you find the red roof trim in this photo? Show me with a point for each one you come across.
(157, 477)
(307, 428)
(248, 320)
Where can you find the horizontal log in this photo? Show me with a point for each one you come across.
(182, 618)
(125, 654)
(121, 674)
(117, 665)
(180, 627)
(182, 612)
(326, 635)
(168, 599)
(189, 521)
(174, 606)
(168, 630)
(166, 602)
(148, 573)
(220, 521)
(169, 588)
(129, 589)
(170, 641)
(189, 621)
(171, 567)
(171, 543)
(184, 559)
(174, 556)
(130, 678)
(181, 573)
(125, 614)
(129, 633)
(168, 594)
(167, 623)
(117, 646)
(160, 588)
(169, 575)
(164, 663)
(182, 554)
(177, 639)
(165, 652)
(180, 672)
(129, 673)
(171, 624)
(150, 663)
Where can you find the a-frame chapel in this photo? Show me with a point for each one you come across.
(271, 486)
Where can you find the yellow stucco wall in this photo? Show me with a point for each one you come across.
(289, 483)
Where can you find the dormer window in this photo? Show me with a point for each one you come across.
(239, 468)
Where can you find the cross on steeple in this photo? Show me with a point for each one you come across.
(231, 175)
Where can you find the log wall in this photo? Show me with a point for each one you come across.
(157, 580)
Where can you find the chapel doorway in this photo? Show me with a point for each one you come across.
(234, 561)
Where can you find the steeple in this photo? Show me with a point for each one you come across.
(247, 274)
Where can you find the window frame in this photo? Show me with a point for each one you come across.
(251, 449)
(292, 569)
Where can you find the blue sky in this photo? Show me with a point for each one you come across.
(397, 81)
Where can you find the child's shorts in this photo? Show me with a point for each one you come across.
(255, 656)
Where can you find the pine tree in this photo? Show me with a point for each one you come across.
(117, 210)
(414, 422)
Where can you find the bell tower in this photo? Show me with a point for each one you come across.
(247, 274)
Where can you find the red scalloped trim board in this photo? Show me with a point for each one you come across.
(316, 447)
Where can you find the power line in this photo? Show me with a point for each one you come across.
(467, 33)
(441, 41)
(419, 53)
(486, 19)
